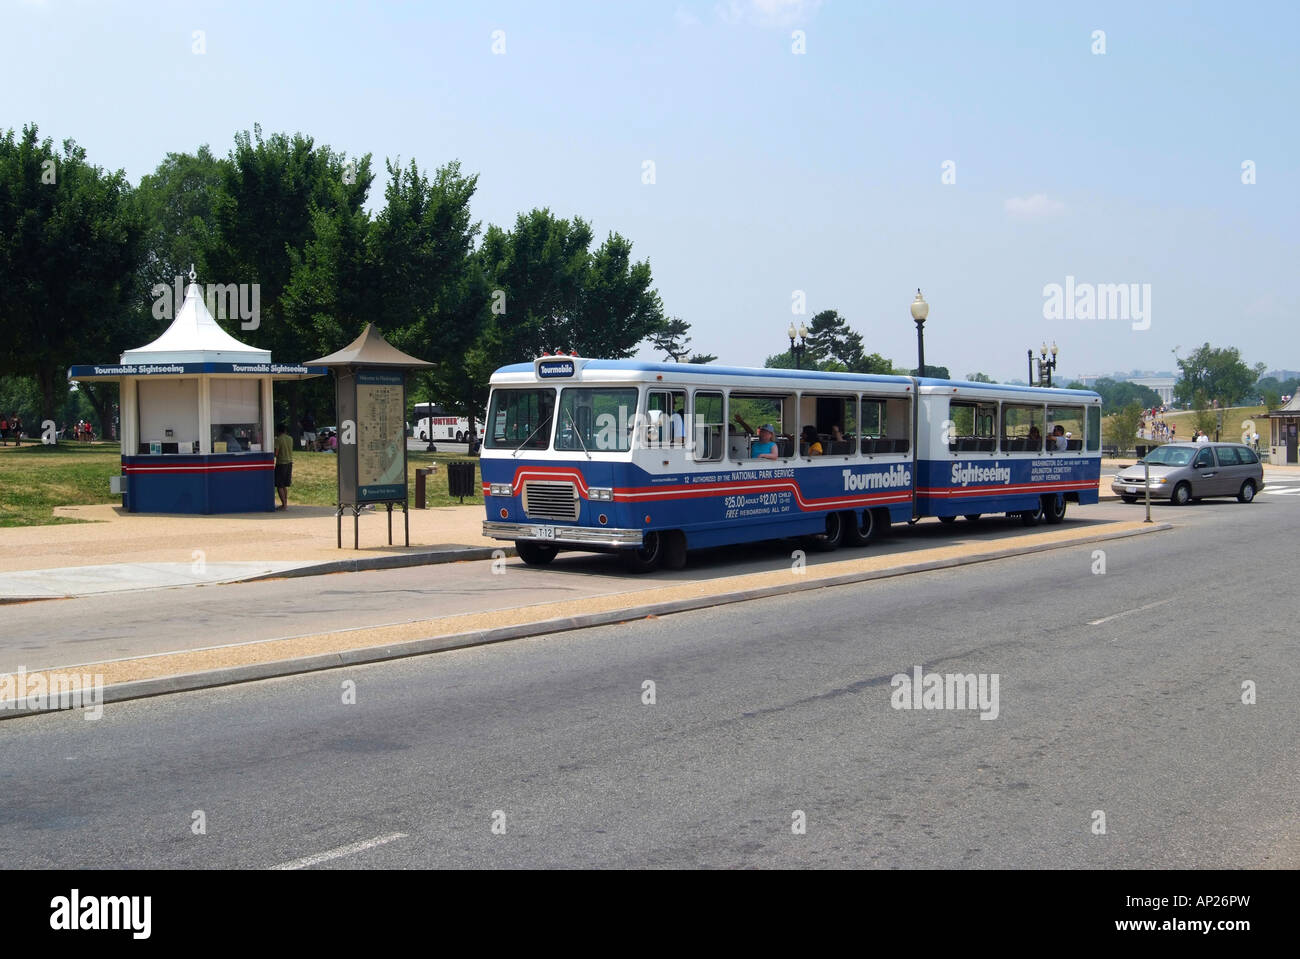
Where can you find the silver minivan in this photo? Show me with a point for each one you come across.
(1182, 472)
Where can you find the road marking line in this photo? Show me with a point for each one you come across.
(1127, 612)
(340, 852)
(1281, 489)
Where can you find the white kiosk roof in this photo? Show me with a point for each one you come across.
(195, 337)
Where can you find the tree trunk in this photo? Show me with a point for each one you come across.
(45, 379)
(101, 398)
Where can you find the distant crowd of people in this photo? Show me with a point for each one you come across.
(1153, 426)
(11, 427)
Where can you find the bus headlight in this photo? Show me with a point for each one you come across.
(501, 489)
(602, 494)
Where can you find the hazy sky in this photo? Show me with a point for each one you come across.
(774, 170)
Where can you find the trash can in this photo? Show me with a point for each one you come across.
(460, 480)
(1140, 450)
(421, 478)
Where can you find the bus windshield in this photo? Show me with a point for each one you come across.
(520, 419)
(598, 419)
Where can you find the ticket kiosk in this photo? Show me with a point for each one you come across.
(196, 417)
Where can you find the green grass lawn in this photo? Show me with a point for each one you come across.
(1233, 417)
(35, 479)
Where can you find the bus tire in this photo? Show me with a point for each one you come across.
(675, 549)
(534, 554)
(947, 520)
(460, 436)
(884, 524)
(859, 532)
(423, 435)
(1054, 508)
(973, 517)
(648, 556)
(834, 535)
(1030, 517)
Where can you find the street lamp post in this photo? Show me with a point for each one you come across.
(798, 349)
(920, 310)
(1045, 366)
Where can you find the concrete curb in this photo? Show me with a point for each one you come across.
(361, 563)
(189, 682)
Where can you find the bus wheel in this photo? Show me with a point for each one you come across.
(534, 554)
(859, 532)
(947, 520)
(675, 549)
(423, 435)
(834, 535)
(1030, 517)
(1053, 508)
(973, 517)
(646, 559)
(460, 437)
(882, 525)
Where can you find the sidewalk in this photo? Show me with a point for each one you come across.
(117, 550)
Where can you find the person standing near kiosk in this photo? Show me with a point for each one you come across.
(283, 464)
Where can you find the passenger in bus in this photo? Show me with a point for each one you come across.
(1059, 441)
(1035, 438)
(836, 435)
(677, 423)
(811, 442)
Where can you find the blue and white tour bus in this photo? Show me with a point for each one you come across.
(650, 460)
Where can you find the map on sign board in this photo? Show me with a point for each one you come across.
(381, 434)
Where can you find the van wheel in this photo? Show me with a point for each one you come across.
(647, 558)
(834, 535)
(1054, 508)
(534, 554)
(675, 549)
(1247, 492)
(859, 533)
(1182, 494)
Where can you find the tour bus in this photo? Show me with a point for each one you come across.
(434, 423)
(652, 459)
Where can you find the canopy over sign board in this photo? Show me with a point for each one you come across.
(370, 400)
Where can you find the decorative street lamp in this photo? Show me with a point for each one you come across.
(1045, 366)
(920, 310)
(799, 348)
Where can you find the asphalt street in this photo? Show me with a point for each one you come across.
(99, 628)
(1120, 693)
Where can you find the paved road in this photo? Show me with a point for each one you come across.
(1106, 702)
(99, 628)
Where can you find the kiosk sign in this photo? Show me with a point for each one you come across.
(381, 436)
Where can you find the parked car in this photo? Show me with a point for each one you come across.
(1182, 472)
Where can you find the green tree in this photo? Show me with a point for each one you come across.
(1122, 432)
(70, 244)
(287, 217)
(1205, 418)
(429, 285)
(937, 372)
(177, 204)
(673, 342)
(980, 378)
(1118, 393)
(557, 293)
(1218, 373)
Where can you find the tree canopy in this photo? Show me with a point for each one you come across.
(1220, 374)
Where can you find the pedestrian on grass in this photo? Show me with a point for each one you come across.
(283, 464)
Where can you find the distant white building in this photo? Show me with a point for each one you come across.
(1163, 385)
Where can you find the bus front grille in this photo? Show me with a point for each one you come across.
(551, 500)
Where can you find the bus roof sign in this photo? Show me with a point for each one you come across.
(549, 368)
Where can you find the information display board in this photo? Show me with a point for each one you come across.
(381, 436)
(372, 436)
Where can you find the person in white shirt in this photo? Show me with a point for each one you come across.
(1057, 440)
(1202, 439)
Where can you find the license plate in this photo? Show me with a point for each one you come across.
(1132, 489)
(544, 532)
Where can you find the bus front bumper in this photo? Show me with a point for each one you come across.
(564, 535)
